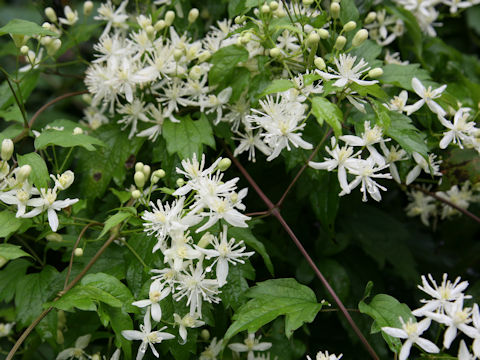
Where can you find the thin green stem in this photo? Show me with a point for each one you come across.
(132, 250)
(20, 106)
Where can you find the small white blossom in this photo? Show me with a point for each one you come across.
(427, 97)
(156, 294)
(348, 71)
(76, 352)
(188, 321)
(250, 344)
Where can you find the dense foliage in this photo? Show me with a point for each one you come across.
(240, 180)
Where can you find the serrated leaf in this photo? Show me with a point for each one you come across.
(406, 134)
(224, 62)
(114, 220)
(66, 139)
(277, 86)
(24, 27)
(250, 240)
(273, 298)
(11, 252)
(9, 223)
(386, 311)
(402, 75)
(188, 136)
(39, 175)
(324, 110)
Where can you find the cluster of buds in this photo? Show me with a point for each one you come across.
(143, 173)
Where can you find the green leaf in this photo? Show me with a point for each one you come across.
(276, 86)
(11, 131)
(10, 223)
(386, 311)
(324, 110)
(235, 7)
(402, 75)
(406, 134)
(120, 321)
(10, 276)
(188, 136)
(224, 62)
(382, 113)
(24, 27)
(39, 175)
(271, 299)
(11, 252)
(325, 200)
(348, 11)
(114, 220)
(31, 292)
(66, 139)
(250, 240)
(27, 84)
(232, 294)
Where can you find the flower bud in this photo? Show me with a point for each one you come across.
(180, 182)
(204, 56)
(205, 334)
(50, 14)
(273, 5)
(335, 10)
(376, 72)
(3, 261)
(23, 173)
(320, 63)
(265, 9)
(308, 28)
(7, 149)
(169, 17)
(313, 38)
(53, 47)
(160, 25)
(323, 33)
(54, 237)
(340, 42)
(146, 170)
(78, 131)
(154, 179)
(195, 73)
(349, 26)
(372, 15)
(24, 49)
(275, 52)
(87, 98)
(150, 30)
(360, 37)
(65, 180)
(224, 164)
(159, 173)
(136, 194)
(78, 252)
(87, 8)
(139, 166)
(234, 197)
(139, 179)
(96, 357)
(177, 54)
(205, 240)
(193, 15)
(307, 2)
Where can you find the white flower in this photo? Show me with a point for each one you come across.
(20, 197)
(427, 96)
(212, 350)
(393, 155)
(48, 201)
(178, 252)
(456, 317)
(114, 17)
(225, 251)
(147, 336)
(348, 71)
(460, 197)
(188, 321)
(441, 294)
(248, 142)
(77, 352)
(394, 59)
(412, 331)
(463, 353)
(422, 164)
(460, 129)
(34, 61)
(326, 356)
(217, 103)
(64, 181)
(194, 171)
(476, 324)
(423, 205)
(71, 17)
(5, 329)
(250, 344)
(399, 102)
(156, 294)
(133, 112)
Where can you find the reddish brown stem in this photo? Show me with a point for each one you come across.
(276, 212)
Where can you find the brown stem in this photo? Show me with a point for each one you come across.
(314, 152)
(74, 282)
(69, 270)
(276, 212)
(448, 202)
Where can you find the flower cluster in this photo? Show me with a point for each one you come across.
(446, 307)
(16, 189)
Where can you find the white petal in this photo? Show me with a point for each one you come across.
(450, 335)
(222, 271)
(156, 312)
(133, 334)
(427, 345)
(82, 341)
(53, 219)
(395, 332)
(405, 351)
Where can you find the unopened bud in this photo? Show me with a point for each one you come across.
(224, 164)
(335, 10)
(3, 261)
(160, 25)
(319, 63)
(7, 149)
(136, 194)
(23, 173)
(323, 33)
(139, 166)
(193, 15)
(204, 56)
(78, 252)
(180, 182)
(139, 179)
(195, 73)
(205, 240)
(46, 40)
(146, 170)
(372, 15)
(87, 98)
(87, 8)
(234, 197)
(275, 52)
(24, 49)
(376, 72)
(307, 2)
(360, 37)
(313, 38)
(349, 26)
(60, 337)
(50, 14)
(159, 173)
(177, 54)
(205, 334)
(96, 357)
(154, 179)
(340, 42)
(169, 17)
(54, 237)
(265, 9)
(150, 30)
(53, 47)
(273, 5)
